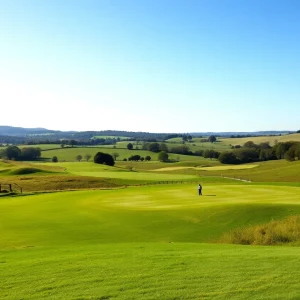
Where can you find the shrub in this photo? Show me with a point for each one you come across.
(54, 159)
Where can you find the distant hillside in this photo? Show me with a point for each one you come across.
(10, 134)
(20, 131)
(242, 134)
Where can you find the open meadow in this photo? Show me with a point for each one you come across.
(139, 230)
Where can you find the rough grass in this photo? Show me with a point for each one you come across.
(49, 182)
(25, 171)
(280, 232)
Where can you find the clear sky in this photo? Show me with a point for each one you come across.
(150, 65)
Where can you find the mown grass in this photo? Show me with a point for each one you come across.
(280, 232)
(161, 213)
(148, 271)
(143, 242)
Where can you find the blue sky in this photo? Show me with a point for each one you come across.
(157, 66)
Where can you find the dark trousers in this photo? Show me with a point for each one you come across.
(200, 192)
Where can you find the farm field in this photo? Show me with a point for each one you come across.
(261, 139)
(69, 154)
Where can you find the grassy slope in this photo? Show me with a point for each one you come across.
(261, 139)
(69, 154)
(141, 214)
(270, 171)
(151, 271)
(87, 245)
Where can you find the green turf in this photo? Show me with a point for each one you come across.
(151, 271)
(161, 213)
(269, 171)
(146, 242)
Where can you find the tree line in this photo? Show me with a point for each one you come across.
(15, 153)
(251, 152)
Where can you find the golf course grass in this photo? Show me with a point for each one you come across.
(159, 240)
(166, 271)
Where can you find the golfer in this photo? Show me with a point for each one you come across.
(199, 189)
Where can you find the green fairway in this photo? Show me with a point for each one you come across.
(91, 169)
(163, 213)
(151, 271)
(144, 242)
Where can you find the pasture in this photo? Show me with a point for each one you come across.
(69, 154)
(261, 139)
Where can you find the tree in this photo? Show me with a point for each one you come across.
(30, 153)
(163, 156)
(249, 144)
(87, 157)
(212, 138)
(129, 146)
(79, 157)
(228, 158)
(115, 155)
(142, 158)
(11, 153)
(134, 157)
(104, 158)
(163, 147)
(54, 159)
(211, 154)
(154, 147)
(73, 142)
(148, 158)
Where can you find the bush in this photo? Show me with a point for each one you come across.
(54, 159)
(104, 158)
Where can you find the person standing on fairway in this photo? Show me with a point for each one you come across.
(199, 189)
